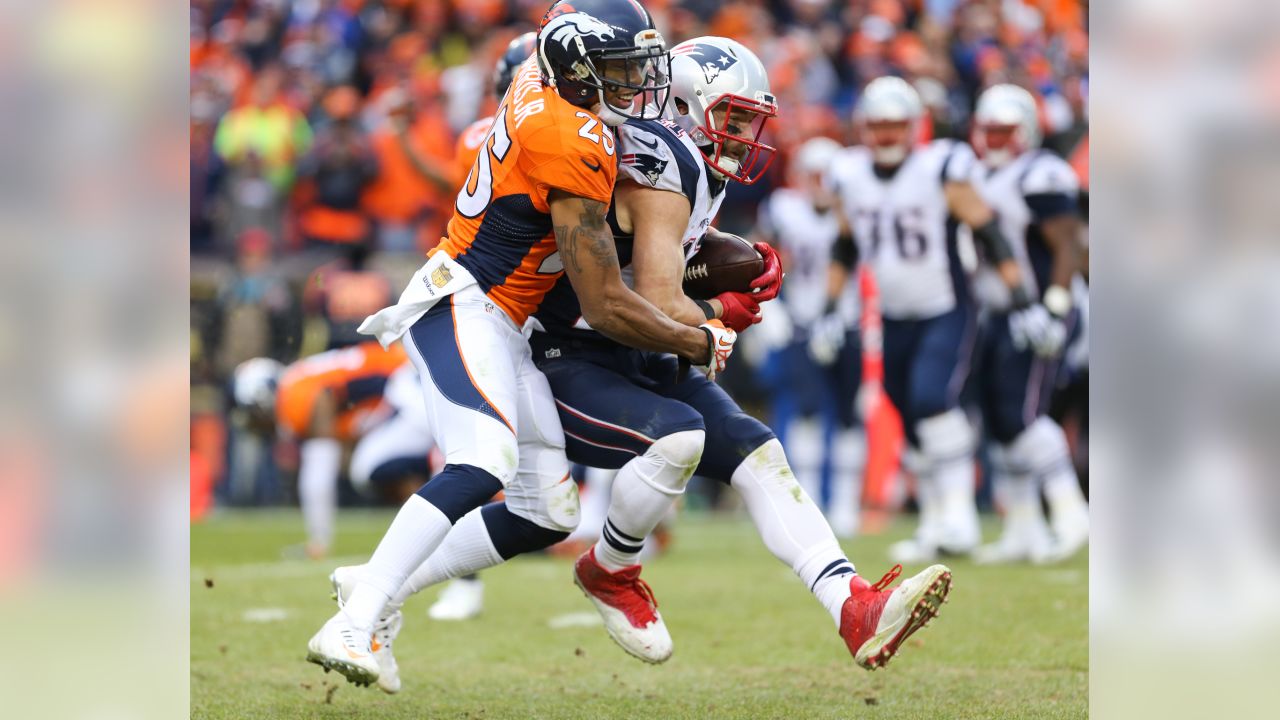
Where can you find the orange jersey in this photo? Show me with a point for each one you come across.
(468, 147)
(501, 227)
(355, 375)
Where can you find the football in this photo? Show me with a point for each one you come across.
(724, 263)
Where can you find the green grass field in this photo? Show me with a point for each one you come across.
(750, 641)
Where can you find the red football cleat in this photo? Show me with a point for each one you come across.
(874, 623)
(627, 605)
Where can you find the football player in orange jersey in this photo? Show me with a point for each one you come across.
(464, 597)
(325, 402)
(533, 209)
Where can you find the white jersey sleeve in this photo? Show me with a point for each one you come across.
(960, 163)
(1049, 187)
(646, 157)
(1050, 174)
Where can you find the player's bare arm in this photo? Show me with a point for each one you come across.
(658, 218)
(967, 205)
(1062, 235)
(590, 259)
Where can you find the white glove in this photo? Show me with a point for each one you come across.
(826, 337)
(1036, 328)
(720, 340)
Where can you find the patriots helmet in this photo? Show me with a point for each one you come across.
(1005, 124)
(721, 97)
(889, 113)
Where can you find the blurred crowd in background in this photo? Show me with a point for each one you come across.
(323, 133)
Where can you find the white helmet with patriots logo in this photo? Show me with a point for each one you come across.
(714, 82)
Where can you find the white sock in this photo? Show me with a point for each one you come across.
(848, 454)
(320, 459)
(1041, 449)
(595, 505)
(947, 441)
(643, 492)
(465, 550)
(804, 448)
(792, 527)
(418, 529)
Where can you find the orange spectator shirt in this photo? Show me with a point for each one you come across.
(355, 375)
(501, 227)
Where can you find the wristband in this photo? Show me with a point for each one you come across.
(1021, 298)
(1057, 300)
(706, 309)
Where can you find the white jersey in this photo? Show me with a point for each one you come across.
(1035, 186)
(656, 154)
(901, 225)
(660, 155)
(808, 237)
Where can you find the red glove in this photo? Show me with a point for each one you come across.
(741, 310)
(766, 287)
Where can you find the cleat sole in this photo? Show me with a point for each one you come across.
(353, 673)
(925, 610)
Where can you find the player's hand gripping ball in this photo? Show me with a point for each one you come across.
(723, 263)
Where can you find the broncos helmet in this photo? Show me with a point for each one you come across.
(578, 39)
(712, 74)
(889, 112)
(1005, 124)
(516, 53)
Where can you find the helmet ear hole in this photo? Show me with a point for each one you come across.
(681, 106)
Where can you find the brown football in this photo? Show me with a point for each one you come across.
(723, 263)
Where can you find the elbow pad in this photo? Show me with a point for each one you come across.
(845, 251)
(994, 245)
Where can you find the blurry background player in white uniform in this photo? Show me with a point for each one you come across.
(818, 372)
(1034, 193)
(902, 205)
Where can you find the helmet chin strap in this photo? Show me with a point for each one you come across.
(998, 158)
(608, 114)
(889, 155)
(726, 162)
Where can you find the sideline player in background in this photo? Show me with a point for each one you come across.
(325, 402)
(903, 206)
(533, 209)
(820, 370)
(1034, 195)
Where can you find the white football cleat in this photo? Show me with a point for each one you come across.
(341, 646)
(1025, 537)
(462, 599)
(1070, 535)
(914, 551)
(384, 631)
(628, 607)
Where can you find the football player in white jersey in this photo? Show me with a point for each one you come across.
(627, 408)
(903, 205)
(819, 370)
(617, 404)
(1034, 194)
